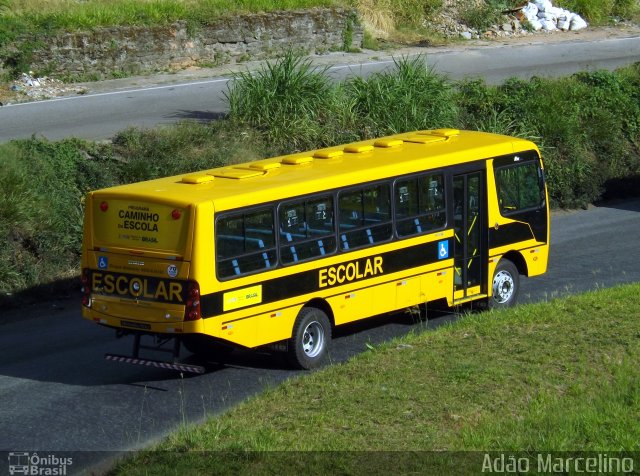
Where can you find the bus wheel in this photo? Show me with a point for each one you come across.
(505, 285)
(206, 348)
(310, 339)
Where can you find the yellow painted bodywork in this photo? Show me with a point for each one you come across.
(185, 247)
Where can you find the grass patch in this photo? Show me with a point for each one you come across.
(543, 377)
(74, 15)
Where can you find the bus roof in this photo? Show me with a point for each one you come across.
(239, 185)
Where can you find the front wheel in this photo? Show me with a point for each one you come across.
(310, 339)
(505, 285)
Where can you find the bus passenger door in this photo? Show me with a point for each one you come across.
(469, 241)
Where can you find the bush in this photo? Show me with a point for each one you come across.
(409, 97)
(588, 126)
(482, 16)
(287, 100)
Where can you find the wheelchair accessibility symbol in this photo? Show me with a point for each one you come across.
(103, 262)
(443, 249)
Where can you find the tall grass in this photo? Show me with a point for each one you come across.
(289, 100)
(44, 183)
(74, 15)
(408, 97)
(41, 209)
(600, 11)
(296, 106)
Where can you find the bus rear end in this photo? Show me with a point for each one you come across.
(136, 269)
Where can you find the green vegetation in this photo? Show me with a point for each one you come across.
(50, 15)
(287, 100)
(588, 126)
(483, 15)
(543, 377)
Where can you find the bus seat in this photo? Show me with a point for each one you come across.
(294, 253)
(370, 236)
(345, 243)
(236, 268)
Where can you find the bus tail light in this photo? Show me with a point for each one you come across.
(192, 309)
(86, 288)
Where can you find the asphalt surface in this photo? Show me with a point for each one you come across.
(58, 394)
(112, 106)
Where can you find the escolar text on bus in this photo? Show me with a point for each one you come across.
(351, 271)
(138, 287)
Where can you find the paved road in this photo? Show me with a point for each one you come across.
(100, 115)
(58, 394)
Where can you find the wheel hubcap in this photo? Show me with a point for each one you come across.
(313, 339)
(503, 287)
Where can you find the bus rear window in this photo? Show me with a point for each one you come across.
(520, 187)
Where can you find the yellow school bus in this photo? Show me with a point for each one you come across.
(280, 251)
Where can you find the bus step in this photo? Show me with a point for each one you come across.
(196, 369)
(469, 299)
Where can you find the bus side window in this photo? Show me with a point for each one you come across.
(245, 243)
(365, 216)
(306, 229)
(420, 204)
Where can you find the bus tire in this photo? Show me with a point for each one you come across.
(505, 285)
(205, 347)
(309, 343)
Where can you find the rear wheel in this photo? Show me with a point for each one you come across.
(505, 285)
(309, 342)
(206, 347)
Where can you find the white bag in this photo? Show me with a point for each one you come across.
(530, 11)
(543, 4)
(548, 25)
(577, 23)
(535, 24)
